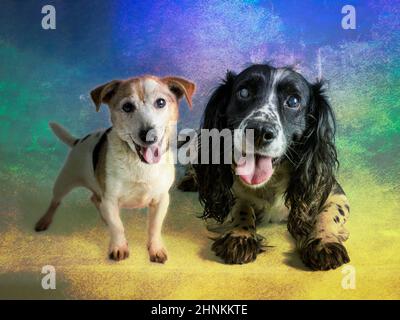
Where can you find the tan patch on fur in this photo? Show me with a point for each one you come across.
(188, 88)
(330, 222)
(139, 88)
(244, 220)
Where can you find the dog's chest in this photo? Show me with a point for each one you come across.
(133, 183)
(268, 200)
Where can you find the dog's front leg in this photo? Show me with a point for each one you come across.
(109, 210)
(157, 212)
(322, 248)
(241, 244)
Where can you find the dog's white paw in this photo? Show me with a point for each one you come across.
(119, 251)
(157, 253)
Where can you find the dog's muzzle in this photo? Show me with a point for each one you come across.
(256, 169)
(150, 153)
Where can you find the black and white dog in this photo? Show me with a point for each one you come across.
(293, 173)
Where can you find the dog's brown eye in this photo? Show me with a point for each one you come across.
(244, 93)
(128, 107)
(293, 102)
(160, 103)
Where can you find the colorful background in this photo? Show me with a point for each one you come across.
(47, 75)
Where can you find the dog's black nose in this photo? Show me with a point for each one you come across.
(148, 136)
(263, 134)
(268, 134)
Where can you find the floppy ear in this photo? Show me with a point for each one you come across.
(180, 87)
(104, 93)
(215, 180)
(316, 161)
(214, 114)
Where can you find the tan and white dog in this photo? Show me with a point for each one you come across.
(130, 165)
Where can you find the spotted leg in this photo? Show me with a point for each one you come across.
(323, 248)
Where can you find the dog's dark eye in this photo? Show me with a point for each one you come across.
(293, 102)
(160, 103)
(128, 107)
(244, 93)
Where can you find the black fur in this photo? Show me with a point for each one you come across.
(97, 148)
(234, 249)
(324, 256)
(215, 180)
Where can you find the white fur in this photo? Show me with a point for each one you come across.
(127, 182)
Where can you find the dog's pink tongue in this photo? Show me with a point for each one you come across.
(152, 153)
(255, 170)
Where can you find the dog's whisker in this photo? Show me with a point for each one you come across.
(289, 158)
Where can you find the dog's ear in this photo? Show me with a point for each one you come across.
(316, 158)
(181, 87)
(214, 114)
(104, 93)
(215, 180)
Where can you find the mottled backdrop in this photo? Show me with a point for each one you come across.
(47, 75)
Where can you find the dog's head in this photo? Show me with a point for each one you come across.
(142, 110)
(291, 121)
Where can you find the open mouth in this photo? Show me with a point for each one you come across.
(256, 170)
(149, 154)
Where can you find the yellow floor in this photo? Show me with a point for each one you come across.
(77, 241)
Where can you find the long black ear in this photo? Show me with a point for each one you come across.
(215, 180)
(316, 162)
